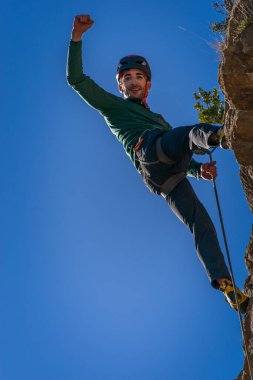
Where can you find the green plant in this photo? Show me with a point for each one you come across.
(244, 24)
(209, 105)
(219, 27)
(223, 8)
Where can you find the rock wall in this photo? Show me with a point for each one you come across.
(236, 81)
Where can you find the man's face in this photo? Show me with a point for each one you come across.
(133, 84)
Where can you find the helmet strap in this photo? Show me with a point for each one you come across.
(144, 99)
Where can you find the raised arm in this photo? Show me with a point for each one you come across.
(90, 92)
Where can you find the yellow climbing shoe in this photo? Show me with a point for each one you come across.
(226, 286)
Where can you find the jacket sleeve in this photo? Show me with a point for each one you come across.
(194, 169)
(90, 92)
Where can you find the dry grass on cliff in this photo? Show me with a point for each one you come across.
(242, 17)
(218, 44)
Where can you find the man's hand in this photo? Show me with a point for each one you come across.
(81, 24)
(208, 171)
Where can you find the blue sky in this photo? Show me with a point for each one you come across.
(98, 279)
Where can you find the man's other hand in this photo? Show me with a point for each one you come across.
(208, 171)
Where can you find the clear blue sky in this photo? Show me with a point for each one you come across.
(98, 279)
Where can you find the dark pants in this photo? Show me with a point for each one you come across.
(179, 145)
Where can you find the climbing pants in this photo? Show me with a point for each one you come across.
(186, 205)
(169, 168)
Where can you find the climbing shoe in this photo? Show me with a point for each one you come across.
(218, 138)
(227, 288)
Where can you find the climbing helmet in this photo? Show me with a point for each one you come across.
(133, 62)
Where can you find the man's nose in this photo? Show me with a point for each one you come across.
(133, 80)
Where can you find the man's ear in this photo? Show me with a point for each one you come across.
(120, 88)
(149, 85)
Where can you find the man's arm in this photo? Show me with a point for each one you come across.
(194, 169)
(93, 94)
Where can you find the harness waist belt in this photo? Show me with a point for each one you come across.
(173, 180)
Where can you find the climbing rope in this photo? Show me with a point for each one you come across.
(209, 152)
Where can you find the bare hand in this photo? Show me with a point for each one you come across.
(81, 24)
(208, 171)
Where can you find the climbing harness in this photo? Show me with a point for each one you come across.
(209, 152)
(162, 161)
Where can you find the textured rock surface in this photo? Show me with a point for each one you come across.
(236, 80)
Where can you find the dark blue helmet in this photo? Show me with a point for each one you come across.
(133, 62)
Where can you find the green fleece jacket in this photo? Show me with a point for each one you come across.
(126, 119)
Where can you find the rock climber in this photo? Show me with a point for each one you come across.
(161, 154)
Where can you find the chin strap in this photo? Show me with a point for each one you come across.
(144, 99)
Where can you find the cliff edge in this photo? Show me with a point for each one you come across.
(236, 82)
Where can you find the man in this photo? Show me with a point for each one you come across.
(162, 155)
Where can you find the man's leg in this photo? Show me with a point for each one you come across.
(181, 142)
(185, 204)
(188, 208)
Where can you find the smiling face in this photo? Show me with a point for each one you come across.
(133, 84)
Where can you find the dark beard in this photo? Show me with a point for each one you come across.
(133, 97)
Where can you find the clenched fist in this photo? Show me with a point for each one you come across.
(81, 24)
(208, 171)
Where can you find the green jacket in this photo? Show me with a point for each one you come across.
(126, 119)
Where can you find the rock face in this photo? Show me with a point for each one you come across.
(236, 81)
